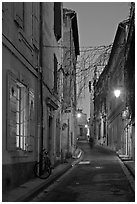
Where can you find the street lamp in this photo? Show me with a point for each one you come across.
(117, 93)
(78, 115)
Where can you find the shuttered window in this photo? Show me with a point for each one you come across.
(31, 121)
(21, 117)
(57, 20)
(20, 135)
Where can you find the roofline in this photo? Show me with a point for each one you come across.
(120, 27)
(73, 17)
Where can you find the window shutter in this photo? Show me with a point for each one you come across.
(35, 24)
(31, 121)
(25, 107)
(11, 120)
(57, 20)
(18, 13)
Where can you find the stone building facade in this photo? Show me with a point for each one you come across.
(114, 117)
(70, 53)
(52, 34)
(30, 87)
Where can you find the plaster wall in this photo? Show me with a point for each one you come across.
(20, 58)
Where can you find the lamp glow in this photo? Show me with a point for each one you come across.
(78, 115)
(117, 93)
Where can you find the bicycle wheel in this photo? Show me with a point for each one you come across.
(44, 173)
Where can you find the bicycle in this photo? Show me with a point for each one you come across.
(43, 169)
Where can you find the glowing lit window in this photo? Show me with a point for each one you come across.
(20, 119)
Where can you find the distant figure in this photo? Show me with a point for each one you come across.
(91, 141)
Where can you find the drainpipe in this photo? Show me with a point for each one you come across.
(71, 109)
(41, 79)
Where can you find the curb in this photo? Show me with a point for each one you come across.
(36, 186)
(129, 169)
(51, 180)
(126, 165)
(128, 174)
(41, 187)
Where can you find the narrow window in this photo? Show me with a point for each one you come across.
(21, 119)
(20, 116)
(104, 122)
(57, 20)
(99, 131)
(81, 131)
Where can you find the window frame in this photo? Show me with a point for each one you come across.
(21, 136)
(11, 78)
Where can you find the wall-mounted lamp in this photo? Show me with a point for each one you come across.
(117, 93)
(78, 115)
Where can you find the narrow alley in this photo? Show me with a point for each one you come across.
(99, 177)
(68, 101)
